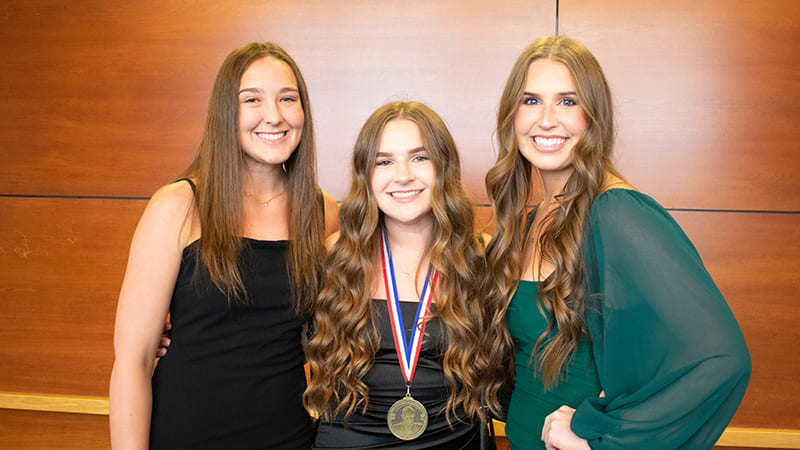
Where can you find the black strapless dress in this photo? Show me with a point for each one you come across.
(233, 376)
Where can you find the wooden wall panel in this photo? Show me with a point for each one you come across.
(484, 219)
(753, 258)
(33, 430)
(707, 96)
(109, 98)
(61, 267)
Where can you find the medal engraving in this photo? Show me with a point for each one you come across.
(407, 418)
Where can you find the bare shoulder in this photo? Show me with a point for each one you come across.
(177, 194)
(153, 265)
(615, 182)
(331, 214)
(331, 240)
(167, 212)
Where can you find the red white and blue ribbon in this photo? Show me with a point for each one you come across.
(407, 350)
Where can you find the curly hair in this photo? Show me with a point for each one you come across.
(217, 171)
(343, 349)
(509, 186)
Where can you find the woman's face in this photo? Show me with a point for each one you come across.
(270, 113)
(549, 120)
(403, 175)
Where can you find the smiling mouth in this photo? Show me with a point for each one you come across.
(271, 136)
(549, 142)
(405, 194)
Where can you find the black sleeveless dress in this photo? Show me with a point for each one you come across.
(233, 376)
(386, 386)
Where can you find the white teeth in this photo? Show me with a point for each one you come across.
(549, 142)
(271, 136)
(405, 194)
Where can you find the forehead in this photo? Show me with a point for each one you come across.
(268, 72)
(400, 135)
(545, 75)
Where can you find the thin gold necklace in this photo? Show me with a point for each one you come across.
(265, 202)
(405, 273)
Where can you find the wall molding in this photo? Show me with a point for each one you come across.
(735, 437)
(732, 437)
(759, 437)
(54, 403)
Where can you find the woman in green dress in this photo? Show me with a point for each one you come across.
(619, 336)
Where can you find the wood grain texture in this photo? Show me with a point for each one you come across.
(61, 267)
(707, 96)
(35, 430)
(753, 258)
(751, 438)
(54, 403)
(759, 438)
(109, 98)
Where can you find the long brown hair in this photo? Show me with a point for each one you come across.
(217, 171)
(509, 186)
(343, 349)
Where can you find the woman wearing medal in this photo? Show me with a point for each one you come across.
(397, 358)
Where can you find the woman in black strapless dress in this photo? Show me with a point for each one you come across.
(232, 251)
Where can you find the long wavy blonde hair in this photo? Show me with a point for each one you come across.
(509, 186)
(343, 349)
(217, 171)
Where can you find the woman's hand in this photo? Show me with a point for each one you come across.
(557, 434)
(163, 344)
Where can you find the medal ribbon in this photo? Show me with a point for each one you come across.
(407, 352)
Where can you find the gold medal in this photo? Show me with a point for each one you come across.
(407, 418)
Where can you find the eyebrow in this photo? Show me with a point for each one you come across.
(412, 151)
(560, 94)
(259, 90)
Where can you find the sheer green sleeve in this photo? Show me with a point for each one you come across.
(671, 358)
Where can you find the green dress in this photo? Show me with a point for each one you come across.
(530, 403)
(669, 354)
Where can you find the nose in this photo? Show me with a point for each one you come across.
(403, 172)
(548, 118)
(271, 113)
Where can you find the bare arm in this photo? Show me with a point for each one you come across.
(144, 299)
(331, 214)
